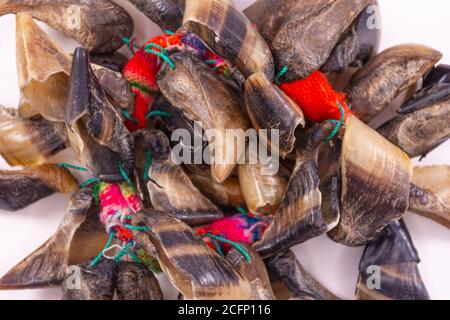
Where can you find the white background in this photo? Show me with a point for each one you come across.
(404, 21)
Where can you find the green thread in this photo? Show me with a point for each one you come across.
(338, 125)
(128, 116)
(148, 164)
(123, 252)
(134, 257)
(137, 228)
(213, 61)
(69, 166)
(163, 54)
(234, 244)
(242, 210)
(141, 87)
(89, 181)
(169, 32)
(124, 174)
(128, 42)
(218, 248)
(100, 255)
(156, 113)
(96, 192)
(280, 74)
(157, 46)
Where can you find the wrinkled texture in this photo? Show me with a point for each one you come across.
(136, 282)
(373, 88)
(195, 89)
(230, 34)
(98, 25)
(167, 14)
(306, 39)
(21, 188)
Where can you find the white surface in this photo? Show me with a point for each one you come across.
(404, 21)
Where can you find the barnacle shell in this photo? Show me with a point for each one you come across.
(136, 282)
(95, 129)
(191, 266)
(80, 236)
(268, 15)
(394, 70)
(194, 88)
(285, 268)
(230, 34)
(115, 61)
(167, 14)
(44, 70)
(300, 216)
(393, 252)
(95, 283)
(430, 193)
(21, 188)
(29, 142)
(425, 125)
(376, 178)
(170, 188)
(310, 32)
(359, 45)
(270, 109)
(98, 25)
(254, 271)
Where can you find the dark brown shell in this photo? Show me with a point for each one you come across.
(255, 272)
(114, 61)
(376, 177)
(229, 33)
(29, 142)
(306, 39)
(21, 188)
(425, 126)
(116, 87)
(270, 109)
(300, 215)
(98, 25)
(359, 45)
(196, 90)
(269, 15)
(96, 131)
(79, 237)
(136, 282)
(170, 188)
(285, 268)
(167, 14)
(393, 252)
(394, 70)
(191, 266)
(95, 283)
